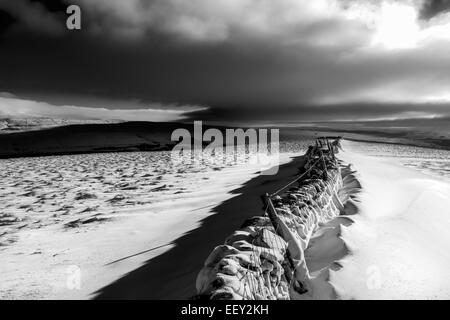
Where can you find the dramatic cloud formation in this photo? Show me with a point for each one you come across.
(260, 57)
(11, 106)
(31, 16)
(434, 7)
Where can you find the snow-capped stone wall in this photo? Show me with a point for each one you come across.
(264, 258)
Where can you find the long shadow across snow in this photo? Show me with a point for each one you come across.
(172, 274)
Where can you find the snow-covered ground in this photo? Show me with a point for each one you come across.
(400, 243)
(435, 162)
(71, 225)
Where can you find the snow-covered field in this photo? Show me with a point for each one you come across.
(435, 162)
(73, 224)
(70, 225)
(399, 244)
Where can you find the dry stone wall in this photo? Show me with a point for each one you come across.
(264, 258)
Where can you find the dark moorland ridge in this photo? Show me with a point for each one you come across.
(95, 138)
(90, 138)
(156, 136)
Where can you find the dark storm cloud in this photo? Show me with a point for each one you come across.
(6, 21)
(241, 58)
(309, 113)
(432, 8)
(31, 16)
(53, 5)
(163, 65)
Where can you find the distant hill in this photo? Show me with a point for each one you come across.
(16, 124)
(153, 136)
(89, 138)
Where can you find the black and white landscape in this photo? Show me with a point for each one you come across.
(93, 205)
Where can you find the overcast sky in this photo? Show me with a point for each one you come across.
(232, 59)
